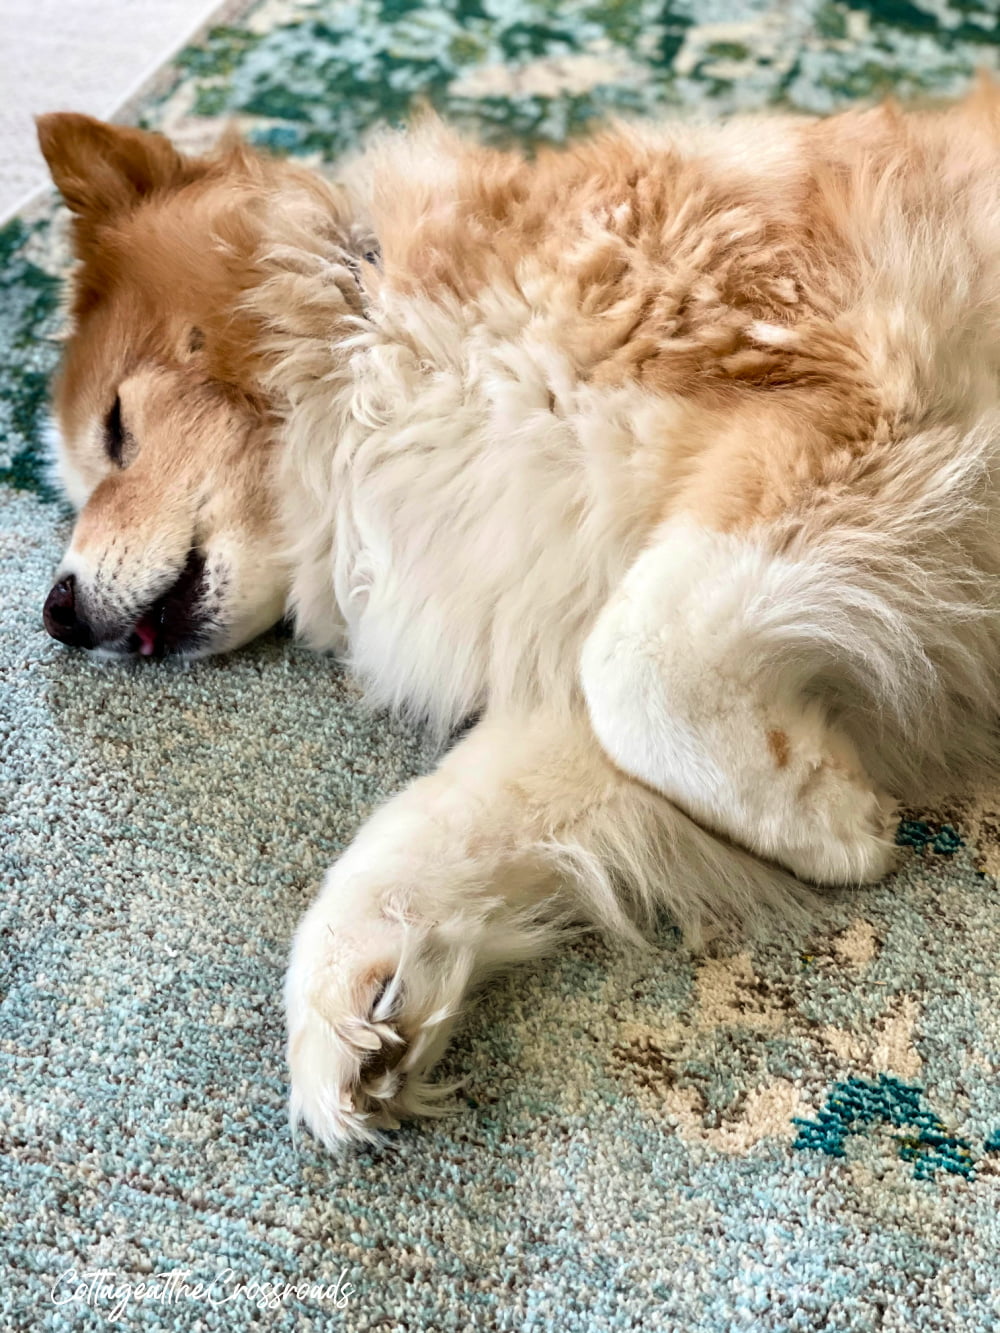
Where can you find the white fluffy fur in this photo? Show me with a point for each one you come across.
(688, 675)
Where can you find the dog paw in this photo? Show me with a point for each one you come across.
(841, 830)
(361, 1039)
(345, 1065)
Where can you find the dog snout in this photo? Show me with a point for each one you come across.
(62, 616)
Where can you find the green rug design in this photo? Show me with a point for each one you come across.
(801, 1135)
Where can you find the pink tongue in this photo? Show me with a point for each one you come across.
(146, 635)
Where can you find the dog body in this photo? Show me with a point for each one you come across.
(672, 456)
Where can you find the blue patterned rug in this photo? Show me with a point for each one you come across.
(802, 1135)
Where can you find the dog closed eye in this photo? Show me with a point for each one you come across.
(115, 435)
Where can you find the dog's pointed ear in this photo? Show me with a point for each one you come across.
(102, 169)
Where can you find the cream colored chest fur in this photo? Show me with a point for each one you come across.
(488, 502)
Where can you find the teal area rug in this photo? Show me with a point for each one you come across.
(801, 1135)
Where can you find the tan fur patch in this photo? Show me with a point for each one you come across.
(701, 276)
(777, 743)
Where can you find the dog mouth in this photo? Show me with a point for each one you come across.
(176, 621)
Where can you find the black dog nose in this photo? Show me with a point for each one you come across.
(61, 618)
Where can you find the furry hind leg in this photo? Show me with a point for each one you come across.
(525, 825)
(696, 675)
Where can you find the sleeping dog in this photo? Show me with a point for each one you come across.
(673, 457)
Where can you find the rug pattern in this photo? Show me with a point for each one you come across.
(802, 1135)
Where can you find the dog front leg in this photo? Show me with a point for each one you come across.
(478, 865)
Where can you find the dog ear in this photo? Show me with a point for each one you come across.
(102, 169)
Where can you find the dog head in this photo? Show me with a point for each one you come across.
(165, 446)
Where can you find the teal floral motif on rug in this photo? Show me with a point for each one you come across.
(799, 1134)
(29, 302)
(859, 1105)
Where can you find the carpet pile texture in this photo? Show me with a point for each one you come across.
(799, 1135)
